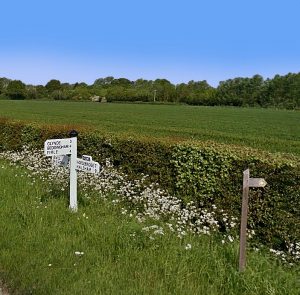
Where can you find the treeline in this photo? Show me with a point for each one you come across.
(281, 91)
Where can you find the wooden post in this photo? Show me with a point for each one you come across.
(243, 232)
(247, 182)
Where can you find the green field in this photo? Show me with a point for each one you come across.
(267, 129)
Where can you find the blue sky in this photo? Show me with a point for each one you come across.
(211, 40)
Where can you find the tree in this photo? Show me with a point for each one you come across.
(59, 95)
(53, 85)
(41, 91)
(295, 90)
(165, 90)
(81, 84)
(66, 86)
(3, 84)
(16, 89)
(103, 81)
(241, 91)
(121, 82)
(31, 92)
(182, 92)
(284, 91)
(200, 93)
(81, 92)
(116, 93)
(143, 90)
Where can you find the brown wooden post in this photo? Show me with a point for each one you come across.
(247, 182)
(243, 232)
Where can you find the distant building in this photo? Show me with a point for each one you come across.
(95, 98)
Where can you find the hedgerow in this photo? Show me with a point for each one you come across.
(205, 173)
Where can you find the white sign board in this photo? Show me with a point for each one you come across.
(56, 147)
(87, 164)
(61, 161)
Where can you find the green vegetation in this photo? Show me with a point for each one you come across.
(205, 173)
(208, 175)
(38, 241)
(281, 91)
(196, 153)
(266, 129)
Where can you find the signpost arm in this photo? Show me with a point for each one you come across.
(73, 173)
(242, 259)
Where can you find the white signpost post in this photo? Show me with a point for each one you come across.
(59, 149)
(73, 173)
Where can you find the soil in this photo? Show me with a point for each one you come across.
(3, 289)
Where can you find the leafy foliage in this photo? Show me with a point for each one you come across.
(53, 85)
(281, 91)
(214, 175)
(16, 90)
(200, 172)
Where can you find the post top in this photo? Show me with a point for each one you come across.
(73, 133)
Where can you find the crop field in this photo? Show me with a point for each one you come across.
(267, 129)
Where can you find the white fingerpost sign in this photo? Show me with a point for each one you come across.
(87, 164)
(59, 149)
(64, 154)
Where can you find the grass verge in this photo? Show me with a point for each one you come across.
(38, 241)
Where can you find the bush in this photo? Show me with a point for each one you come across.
(214, 174)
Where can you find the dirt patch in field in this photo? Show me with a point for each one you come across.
(3, 289)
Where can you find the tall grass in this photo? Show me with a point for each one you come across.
(46, 249)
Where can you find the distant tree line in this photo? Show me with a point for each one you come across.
(281, 91)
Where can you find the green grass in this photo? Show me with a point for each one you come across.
(36, 235)
(267, 129)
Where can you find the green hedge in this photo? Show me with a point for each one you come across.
(206, 173)
(214, 175)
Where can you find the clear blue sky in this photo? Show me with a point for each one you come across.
(186, 40)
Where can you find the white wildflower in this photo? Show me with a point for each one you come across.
(188, 247)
